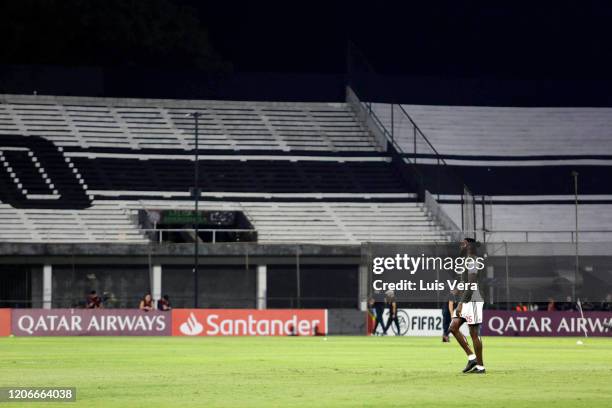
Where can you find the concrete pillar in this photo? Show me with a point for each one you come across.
(47, 292)
(156, 282)
(262, 286)
(363, 288)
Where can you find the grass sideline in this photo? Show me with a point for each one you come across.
(307, 372)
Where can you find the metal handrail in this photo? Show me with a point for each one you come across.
(540, 231)
(438, 155)
(528, 233)
(199, 229)
(392, 140)
(214, 231)
(353, 50)
(419, 176)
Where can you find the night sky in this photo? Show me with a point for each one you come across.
(455, 38)
(166, 48)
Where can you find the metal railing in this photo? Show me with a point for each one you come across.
(539, 236)
(443, 234)
(393, 126)
(453, 234)
(427, 179)
(157, 234)
(430, 170)
(207, 301)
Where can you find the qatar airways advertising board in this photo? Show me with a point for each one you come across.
(90, 322)
(509, 323)
(249, 322)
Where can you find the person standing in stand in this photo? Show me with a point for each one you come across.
(146, 304)
(93, 301)
(163, 304)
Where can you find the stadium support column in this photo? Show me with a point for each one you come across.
(196, 196)
(363, 287)
(262, 286)
(577, 263)
(156, 282)
(47, 292)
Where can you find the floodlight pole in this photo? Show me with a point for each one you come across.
(196, 193)
(577, 270)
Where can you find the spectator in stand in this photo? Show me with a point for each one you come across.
(146, 304)
(163, 304)
(93, 301)
(521, 307)
(551, 307)
(587, 305)
(568, 305)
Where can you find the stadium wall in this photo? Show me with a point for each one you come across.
(250, 276)
(238, 275)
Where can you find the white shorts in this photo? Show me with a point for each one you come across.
(471, 312)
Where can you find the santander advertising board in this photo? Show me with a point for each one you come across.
(248, 322)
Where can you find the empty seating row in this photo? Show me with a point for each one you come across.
(167, 124)
(503, 131)
(263, 176)
(103, 222)
(543, 222)
(276, 222)
(326, 222)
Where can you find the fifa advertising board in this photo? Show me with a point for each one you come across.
(249, 322)
(428, 322)
(413, 322)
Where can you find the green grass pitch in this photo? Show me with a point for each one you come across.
(310, 372)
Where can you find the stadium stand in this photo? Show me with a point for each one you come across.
(301, 172)
(522, 160)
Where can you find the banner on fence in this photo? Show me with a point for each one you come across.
(412, 322)
(5, 322)
(249, 322)
(90, 322)
(509, 323)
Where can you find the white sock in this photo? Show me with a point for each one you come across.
(472, 357)
(479, 367)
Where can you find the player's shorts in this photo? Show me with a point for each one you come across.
(471, 312)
